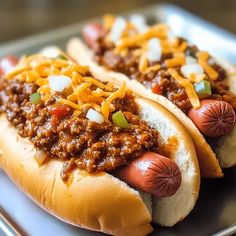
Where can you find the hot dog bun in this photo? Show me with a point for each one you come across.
(168, 211)
(102, 202)
(226, 147)
(209, 164)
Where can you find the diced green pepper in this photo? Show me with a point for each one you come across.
(119, 119)
(35, 98)
(203, 88)
(60, 56)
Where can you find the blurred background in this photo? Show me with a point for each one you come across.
(19, 18)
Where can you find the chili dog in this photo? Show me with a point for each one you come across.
(197, 88)
(94, 147)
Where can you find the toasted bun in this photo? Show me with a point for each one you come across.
(209, 165)
(102, 202)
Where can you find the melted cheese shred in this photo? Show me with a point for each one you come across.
(137, 42)
(84, 91)
(188, 86)
(173, 62)
(158, 31)
(202, 60)
(108, 21)
(143, 61)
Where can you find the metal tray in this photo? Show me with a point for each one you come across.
(216, 207)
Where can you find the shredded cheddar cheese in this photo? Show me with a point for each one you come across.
(213, 75)
(203, 55)
(202, 60)
(143, 62)
(153, 68)
(108, 21)
(176, 50)
(17, 71)
(137, 52)
(69, 103)
(117, 94)
(183, 46)
(84, 90)
(130, 28)
(188, 86)
(173, 62)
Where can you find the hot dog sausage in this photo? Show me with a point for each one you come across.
(7, 63)
(152, 173)
(214, 118)
(92, 32)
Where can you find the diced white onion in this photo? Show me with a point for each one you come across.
(191, 60)
(211, 61)
(171, 36)
(154, 50)
(117, 29)
(189, 69)
(59, 82)
(50, 51)
(140, 22)
(95, 116)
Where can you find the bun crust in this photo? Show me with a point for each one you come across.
(209, 164)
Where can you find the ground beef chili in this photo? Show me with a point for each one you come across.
(76, 140)
(160, 82)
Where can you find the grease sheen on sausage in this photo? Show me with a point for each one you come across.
(152, 173)
(214, 118)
